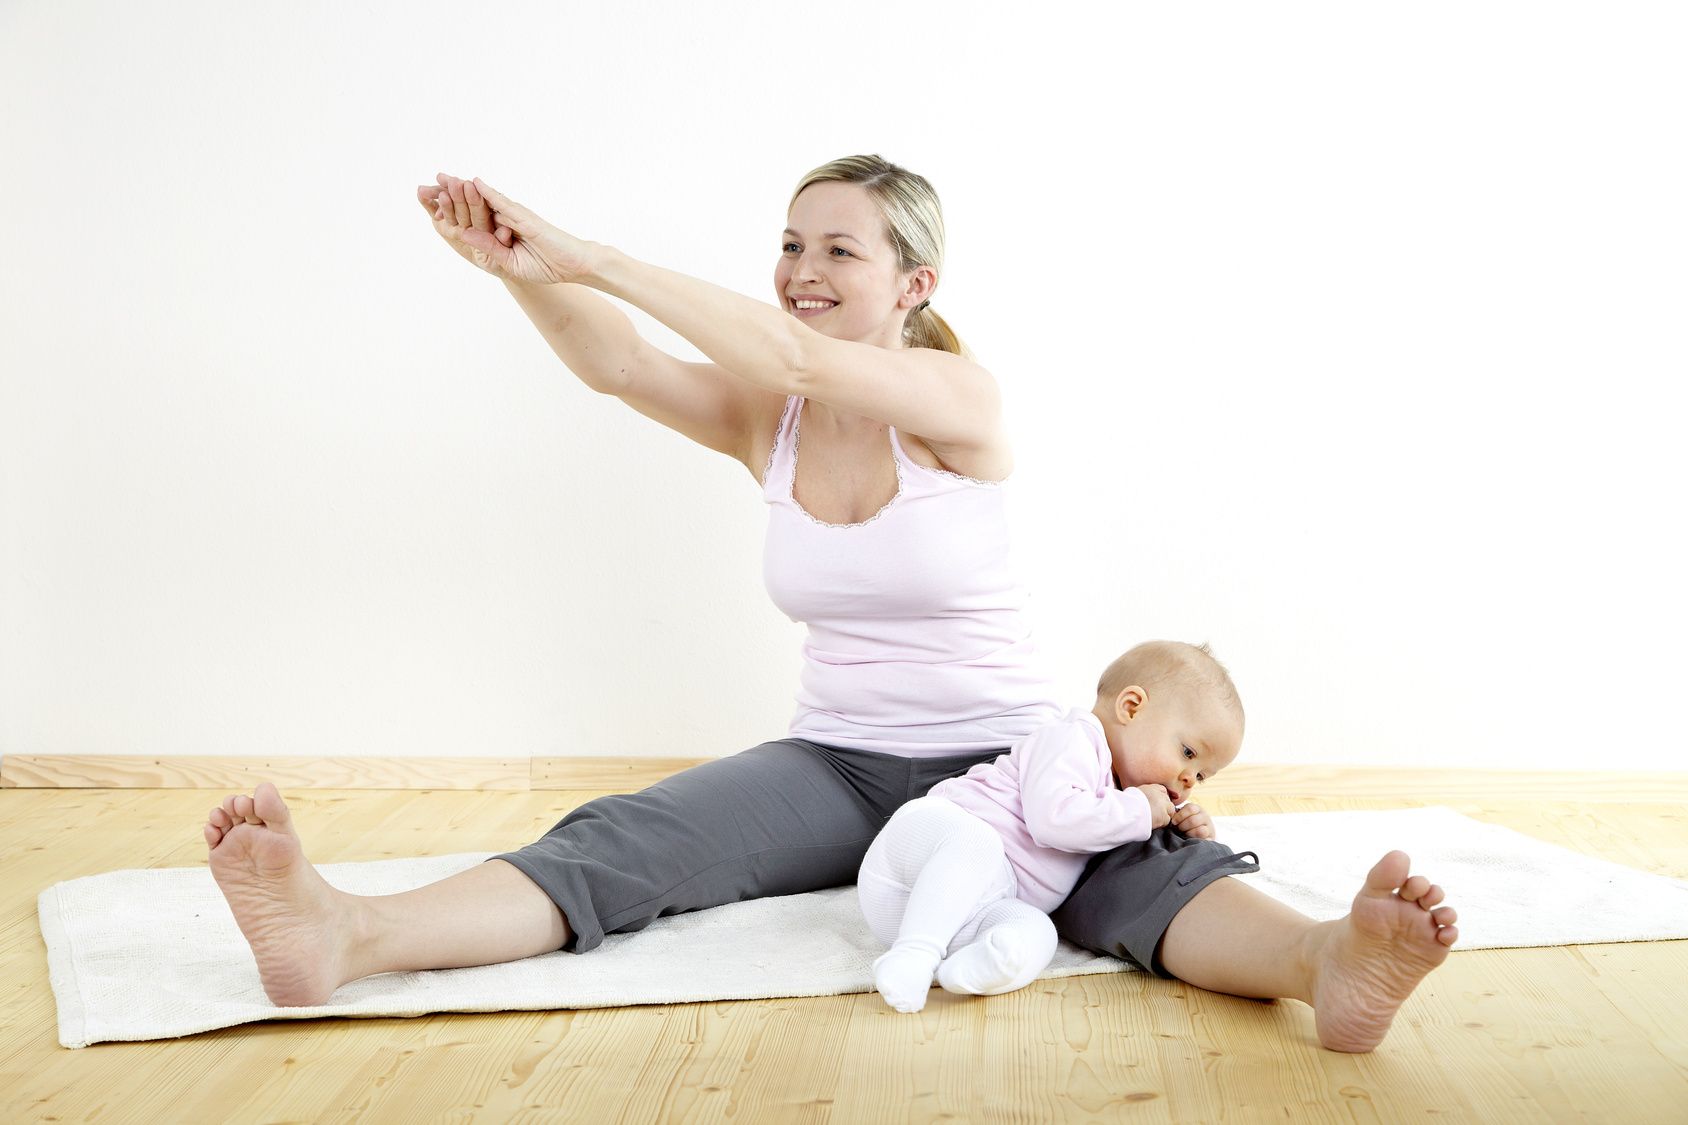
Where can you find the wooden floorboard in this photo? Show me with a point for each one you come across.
(1594, 1033)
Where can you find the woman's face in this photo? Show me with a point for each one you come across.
(838, 272)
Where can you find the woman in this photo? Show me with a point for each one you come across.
(880, 449)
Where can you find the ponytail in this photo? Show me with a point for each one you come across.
(924, 328)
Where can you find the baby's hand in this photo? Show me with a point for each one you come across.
(1192, 820)
(1160, 805)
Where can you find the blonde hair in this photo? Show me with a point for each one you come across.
(914, 222)
(1173, 665)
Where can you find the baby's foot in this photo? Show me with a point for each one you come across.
(1372, 960)
(1004, 958)
(293, 920)
(904, 976)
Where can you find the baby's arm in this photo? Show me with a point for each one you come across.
(1063, 805)
(1192, 820)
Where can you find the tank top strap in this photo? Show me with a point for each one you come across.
(782, 459)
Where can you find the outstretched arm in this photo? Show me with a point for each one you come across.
(599, 343)
(945, 399)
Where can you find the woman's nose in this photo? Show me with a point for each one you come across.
(807, 268)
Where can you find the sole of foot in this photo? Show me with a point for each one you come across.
(1373, 959)
(285, 909)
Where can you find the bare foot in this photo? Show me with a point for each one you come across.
(294, 921)
(1371, 961)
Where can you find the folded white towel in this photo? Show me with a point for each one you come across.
(156, 954)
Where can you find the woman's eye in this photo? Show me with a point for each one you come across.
(840, 250)
(790, 248)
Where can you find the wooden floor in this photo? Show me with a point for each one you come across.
(1587, 1033)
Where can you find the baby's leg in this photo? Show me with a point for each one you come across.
(1016, 942)
(937, 864)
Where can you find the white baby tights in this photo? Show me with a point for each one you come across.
(936, 887)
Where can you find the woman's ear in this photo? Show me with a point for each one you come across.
(1128, 701)
(921, 284)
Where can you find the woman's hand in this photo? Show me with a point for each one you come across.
(499, 235)
(1192, 820)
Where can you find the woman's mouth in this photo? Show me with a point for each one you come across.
(811, 306)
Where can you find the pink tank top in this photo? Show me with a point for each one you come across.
(918, 642)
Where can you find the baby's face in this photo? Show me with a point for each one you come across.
(1172, 739)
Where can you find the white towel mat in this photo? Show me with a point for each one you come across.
(156, 954)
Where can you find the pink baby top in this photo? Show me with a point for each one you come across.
(918, 642)
(1053, 800)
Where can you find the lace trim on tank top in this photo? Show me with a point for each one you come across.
(940, 470)
(791, 490)
(774, 446)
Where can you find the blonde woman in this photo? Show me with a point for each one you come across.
(880, 450)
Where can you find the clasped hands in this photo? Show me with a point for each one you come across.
(500, 236)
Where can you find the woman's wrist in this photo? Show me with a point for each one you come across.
(604, 267)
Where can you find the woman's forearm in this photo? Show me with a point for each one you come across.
(591, 336)
(755, 341)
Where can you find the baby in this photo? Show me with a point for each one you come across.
(961, 881)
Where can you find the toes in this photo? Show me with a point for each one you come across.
(213, 835)
(1389, 873)
(220, 819)
(1413, 889)
(1431, 897)
(242, 810)
(270, 806)
(1444, 916)
(1447, 935)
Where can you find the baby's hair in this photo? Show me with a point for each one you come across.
(1170, 664)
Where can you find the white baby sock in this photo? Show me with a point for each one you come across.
(903, 975)
(1016, 942)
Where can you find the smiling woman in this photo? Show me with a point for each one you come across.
(905, 207)
(888, 539)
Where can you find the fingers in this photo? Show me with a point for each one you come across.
(511, 213)
(459, 204)
(1192, 820)
(470, 204)
(480, 215)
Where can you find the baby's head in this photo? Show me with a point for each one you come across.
(1171, 714)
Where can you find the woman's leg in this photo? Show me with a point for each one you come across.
(1167, 904)
(781, 818)
(1356, 971)
(309, 938)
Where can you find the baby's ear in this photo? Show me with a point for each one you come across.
(1128, 701)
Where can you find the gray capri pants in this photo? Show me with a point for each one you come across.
(792, 816)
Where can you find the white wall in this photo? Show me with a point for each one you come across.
(1345, 337)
